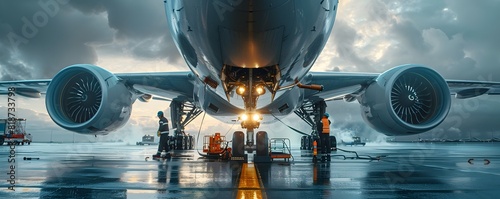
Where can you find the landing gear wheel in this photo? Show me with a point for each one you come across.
(262, 144)
(238, 146)
(2, 140)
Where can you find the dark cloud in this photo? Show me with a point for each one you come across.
(141, 26)
(132, 19)
(41, 38)
(343, 44)
(12, 69)
(47, 41)
(449, 36)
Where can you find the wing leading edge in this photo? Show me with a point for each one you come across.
(162, 86)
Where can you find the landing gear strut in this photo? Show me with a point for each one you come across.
(250, 141)
(182, 112)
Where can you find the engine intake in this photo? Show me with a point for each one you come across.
(88, 99)
(407, 99)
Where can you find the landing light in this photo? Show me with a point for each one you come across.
(260, 90)
(244, 117)
(256, 117)
(240, 90)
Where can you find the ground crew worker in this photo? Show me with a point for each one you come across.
(163, 133)
(324, 133)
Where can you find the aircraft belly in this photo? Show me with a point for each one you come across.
(251, 49)
(213, 104)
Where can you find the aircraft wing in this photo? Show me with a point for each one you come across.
(162, 85)
(27, 88)
(336, 85)
(345, 86)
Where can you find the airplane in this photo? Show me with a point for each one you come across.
(250, 61)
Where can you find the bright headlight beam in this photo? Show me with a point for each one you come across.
(244, 117)
(241, 90)
(256, 117)
(259, 90)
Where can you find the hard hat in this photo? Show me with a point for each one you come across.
(160, 113)
(327, 115)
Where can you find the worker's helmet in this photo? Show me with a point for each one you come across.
(327, 115)
(160, 113)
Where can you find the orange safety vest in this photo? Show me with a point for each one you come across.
(326, 125)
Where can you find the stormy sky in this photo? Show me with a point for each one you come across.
(458, 38)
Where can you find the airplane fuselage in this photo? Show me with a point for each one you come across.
(246, 44)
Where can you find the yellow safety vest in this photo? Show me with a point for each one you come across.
(326, 125)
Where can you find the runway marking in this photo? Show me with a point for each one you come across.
(249, 186)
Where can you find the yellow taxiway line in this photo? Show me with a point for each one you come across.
(249, 186)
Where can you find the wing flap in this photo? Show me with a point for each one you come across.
(463, 89)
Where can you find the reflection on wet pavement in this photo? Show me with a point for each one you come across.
(115, 170)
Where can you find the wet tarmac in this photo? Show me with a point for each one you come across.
(117, 170)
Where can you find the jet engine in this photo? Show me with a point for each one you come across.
(88, 99)
(405, 100)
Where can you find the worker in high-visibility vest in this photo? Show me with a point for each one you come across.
(315, 151)
(163, 134)
(324, 133)
(315, 148)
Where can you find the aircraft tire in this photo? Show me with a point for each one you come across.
(238, 146)
(262, 144)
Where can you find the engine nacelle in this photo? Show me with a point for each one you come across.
(405, 100)
(88, 99)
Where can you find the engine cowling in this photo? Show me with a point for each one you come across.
(405, 100)
(88, 99)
